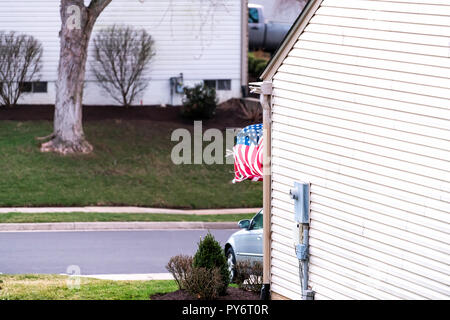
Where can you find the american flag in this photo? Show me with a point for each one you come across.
(248, 154)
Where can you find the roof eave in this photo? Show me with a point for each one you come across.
(297, 28)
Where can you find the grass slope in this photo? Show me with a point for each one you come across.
(131, 165)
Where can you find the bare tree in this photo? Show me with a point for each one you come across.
(20, 61)
(250, 111)
(121, 56)
(77, 22)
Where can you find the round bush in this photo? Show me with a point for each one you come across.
(210, 255)
(199, 102)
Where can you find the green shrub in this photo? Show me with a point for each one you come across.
(180, 267)
(204, 283)
(210, 255)
(248, 275)
(199, 102)
(256, 65)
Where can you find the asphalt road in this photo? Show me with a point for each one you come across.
(104, 252)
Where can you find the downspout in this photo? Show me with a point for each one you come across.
(244, 48)
(264, 89)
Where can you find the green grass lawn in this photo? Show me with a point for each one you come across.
(55, 287)
(130, 165)
(16, 217)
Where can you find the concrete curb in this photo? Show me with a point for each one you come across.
(128, 210)
(114, 226)
(131, 277)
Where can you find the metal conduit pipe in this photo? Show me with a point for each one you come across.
(301, 196)
(306, 293)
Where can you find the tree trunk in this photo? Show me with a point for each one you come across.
(68, 135)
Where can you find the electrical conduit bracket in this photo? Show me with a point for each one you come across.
(302, 252)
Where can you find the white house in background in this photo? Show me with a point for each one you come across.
(360, 109)
(203, 40)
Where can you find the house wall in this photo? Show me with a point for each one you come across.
(201, 39)
(361, 109)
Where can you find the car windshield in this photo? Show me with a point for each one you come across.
(257, 221)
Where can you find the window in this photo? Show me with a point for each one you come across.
(26, 87)
(257, 222)
(210, 83)
(37, 87)
(40, 86)
(253, 15)
(222, 84)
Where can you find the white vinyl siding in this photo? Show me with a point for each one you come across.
(361, 109)
(200, 39)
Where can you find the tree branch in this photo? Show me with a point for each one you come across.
(97, 6)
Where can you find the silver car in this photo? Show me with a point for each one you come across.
(245, 244)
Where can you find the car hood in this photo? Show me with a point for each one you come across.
(235, 235)
(238, 233)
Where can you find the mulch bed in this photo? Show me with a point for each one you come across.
(227, 115)
(232, 294)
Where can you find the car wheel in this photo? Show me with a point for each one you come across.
(231, 260)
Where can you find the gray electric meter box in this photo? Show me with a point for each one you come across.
(300, 194)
